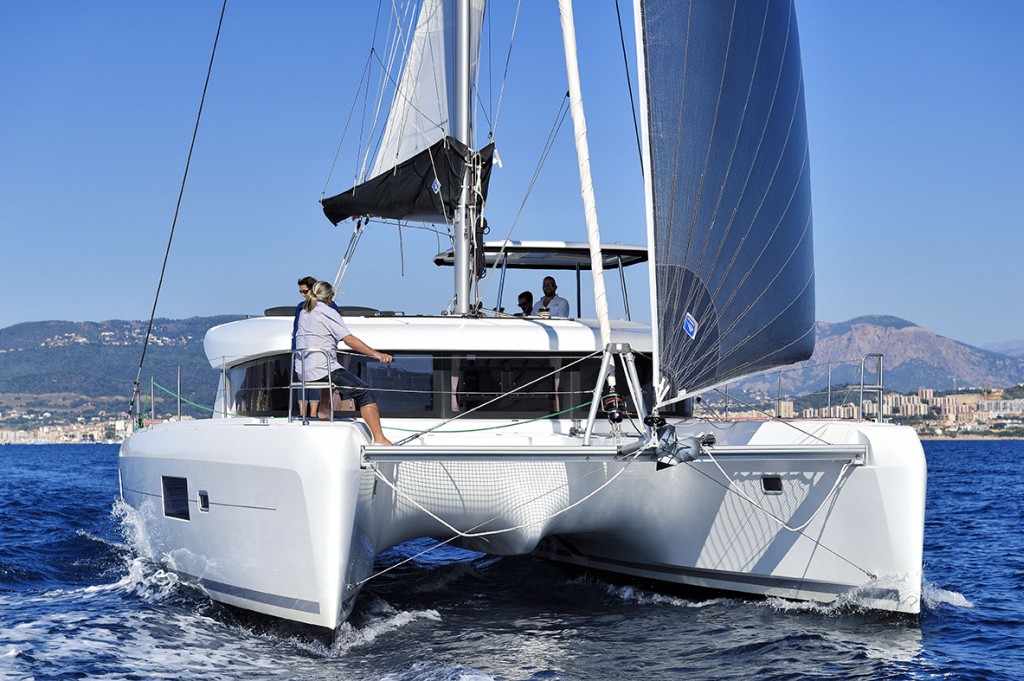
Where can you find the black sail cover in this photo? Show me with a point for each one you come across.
(729, 191)
(424, 188)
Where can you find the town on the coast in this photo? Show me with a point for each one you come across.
(966, 413)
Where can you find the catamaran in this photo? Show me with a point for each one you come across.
(571, 439)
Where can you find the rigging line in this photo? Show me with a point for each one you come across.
(344, 132)
(177, 209)
(391, 44)
(549, 144)
(730, 489)
(359, 171)
(399, 93)
(508, 60)
(504, 425)
(780, 521)
(400, 224)
(753, 407)
(499, 397)
(629, 85)
(471, 534)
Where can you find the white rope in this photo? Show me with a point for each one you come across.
(471, 535)
(780, 521)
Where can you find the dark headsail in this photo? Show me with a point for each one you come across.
(729, 192)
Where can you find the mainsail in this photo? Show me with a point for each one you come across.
(419, 168)
(728, 184)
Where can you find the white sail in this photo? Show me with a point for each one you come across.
(425, 97)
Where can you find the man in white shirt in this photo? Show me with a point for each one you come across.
(555, 305)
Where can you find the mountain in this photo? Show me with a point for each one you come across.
(913, 358)
(1013, 348)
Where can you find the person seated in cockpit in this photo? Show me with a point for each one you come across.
(551, 303)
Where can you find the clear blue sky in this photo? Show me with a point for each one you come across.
(915, 110)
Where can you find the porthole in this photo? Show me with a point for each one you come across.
(175, 497)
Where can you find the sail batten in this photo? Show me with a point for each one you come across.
(729, 195)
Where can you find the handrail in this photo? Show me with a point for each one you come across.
(871, 364)
(303, 384)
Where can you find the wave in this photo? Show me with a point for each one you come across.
(934, 597)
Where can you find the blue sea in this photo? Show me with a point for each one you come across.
(76, 602)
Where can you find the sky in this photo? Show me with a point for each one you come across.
(915, 113)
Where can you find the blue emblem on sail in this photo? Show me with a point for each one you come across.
(690, 326)
(435, 186)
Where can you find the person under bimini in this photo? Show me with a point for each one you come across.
(320, 328)
(551, 303)
(525, 304)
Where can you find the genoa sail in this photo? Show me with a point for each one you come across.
(419, 166)
(728, 188)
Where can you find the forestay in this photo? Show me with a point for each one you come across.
(728, 183)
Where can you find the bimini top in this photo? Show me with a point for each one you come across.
(550, 255)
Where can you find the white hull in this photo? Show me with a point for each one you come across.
(296, 515)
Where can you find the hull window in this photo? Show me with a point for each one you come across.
(771, 485)
(175, 497)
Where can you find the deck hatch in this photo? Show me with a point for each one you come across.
(175, 497)
(771, 484)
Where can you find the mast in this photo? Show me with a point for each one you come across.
(579, 123)
(462, 129)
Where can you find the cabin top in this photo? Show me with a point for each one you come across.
(246, 339)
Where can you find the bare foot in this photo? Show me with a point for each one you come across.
(385, 442)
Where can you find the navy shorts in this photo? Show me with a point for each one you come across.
(351, 387)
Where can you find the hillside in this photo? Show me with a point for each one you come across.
(81, 368)
(1013, 348)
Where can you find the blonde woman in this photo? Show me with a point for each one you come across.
(320, 328)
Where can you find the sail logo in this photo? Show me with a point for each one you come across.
(690, 326)
(435, 185)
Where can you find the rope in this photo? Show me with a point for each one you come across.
(499, 397)
(177, 209)
(563, 110)
(629, 85)
(506, 425)
(504, 75)
(187, 401)
(733, 488)
(470, 534)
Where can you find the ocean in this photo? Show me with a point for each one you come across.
(76, 602)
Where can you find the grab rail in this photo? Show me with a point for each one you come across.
(867, 381)
(299, 383)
